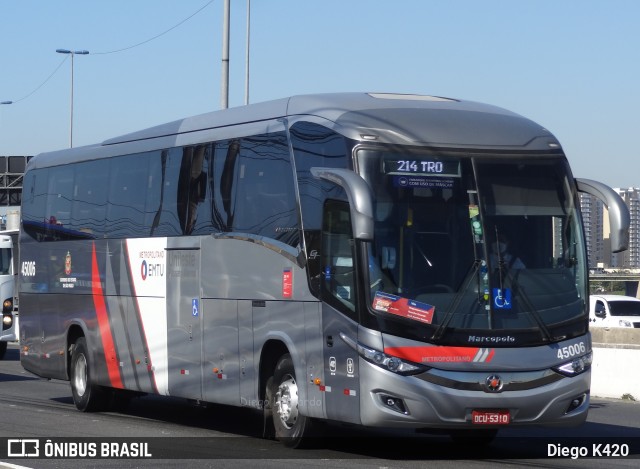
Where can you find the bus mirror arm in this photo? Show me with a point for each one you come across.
(619, 217)
(360, 198)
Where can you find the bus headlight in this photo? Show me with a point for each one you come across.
(576, 365)
(390, 363)
(7, 321)
(7, 305)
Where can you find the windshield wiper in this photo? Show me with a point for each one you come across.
(546, 334)
(437, 335)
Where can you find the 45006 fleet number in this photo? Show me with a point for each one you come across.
(28, 269)
(572, 350)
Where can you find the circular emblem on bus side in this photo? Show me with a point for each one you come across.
(67, 264)
(143, 270)
(493, 383)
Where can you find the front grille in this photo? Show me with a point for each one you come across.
(475, 381)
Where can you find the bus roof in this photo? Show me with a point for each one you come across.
(391, 118)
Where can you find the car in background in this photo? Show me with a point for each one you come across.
(614, 311)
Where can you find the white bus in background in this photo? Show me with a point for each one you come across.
(8, 278)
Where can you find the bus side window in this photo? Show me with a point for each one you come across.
(253, 188)
(127, 195)
(90, 198)
(60, 195)
(196, 215)
(338, 257)
(34, 203)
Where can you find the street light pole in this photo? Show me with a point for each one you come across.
(246, 78)
(72, 52)
(224, 98)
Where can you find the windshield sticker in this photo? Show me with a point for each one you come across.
(442, 354)
(403, 307)
(476, 226)
(287, 283)
(422, 181)
(343, 292)
(502, 298)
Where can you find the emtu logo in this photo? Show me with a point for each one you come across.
(151, 270)
(144, 270)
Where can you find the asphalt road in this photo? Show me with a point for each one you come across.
(176, 433)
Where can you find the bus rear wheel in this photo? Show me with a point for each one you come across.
(291, 427)
(87, 396)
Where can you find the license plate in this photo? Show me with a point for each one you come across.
(490, 417)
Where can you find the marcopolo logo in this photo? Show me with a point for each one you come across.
(491, 339)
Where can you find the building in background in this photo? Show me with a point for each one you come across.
(630, 259)
(593, 215)
(596, 221)
(11, 175)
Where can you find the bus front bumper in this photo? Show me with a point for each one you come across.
(392, 400)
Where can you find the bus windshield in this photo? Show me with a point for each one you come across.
(470, 245)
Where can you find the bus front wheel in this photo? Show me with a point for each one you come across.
(291, 427)
(87, 396)
(3, 349)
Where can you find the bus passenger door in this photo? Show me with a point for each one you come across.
(338, 290)
(184, 317)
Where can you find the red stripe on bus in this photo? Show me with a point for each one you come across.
(439, 354)
(103, 323)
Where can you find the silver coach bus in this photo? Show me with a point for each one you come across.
(322, 257)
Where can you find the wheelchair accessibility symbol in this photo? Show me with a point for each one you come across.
(502, 298)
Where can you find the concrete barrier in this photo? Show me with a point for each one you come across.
(616, 357)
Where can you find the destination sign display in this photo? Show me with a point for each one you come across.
(432, 167)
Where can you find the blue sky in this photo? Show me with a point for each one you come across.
(571, 65)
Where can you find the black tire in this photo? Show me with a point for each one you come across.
(3, 349)
(268, 430)
(87, 396)
(291, 427)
